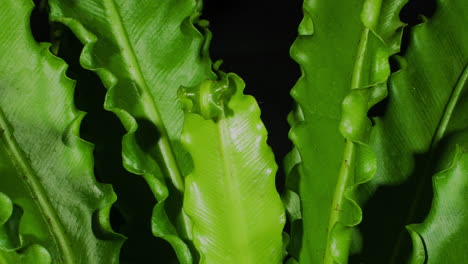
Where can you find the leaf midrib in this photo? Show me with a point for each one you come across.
(38, 193)
(349, 150)
(149, 103)
(241, 233)
(450, 107)
(348, 156)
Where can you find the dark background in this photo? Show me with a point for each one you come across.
(253, 38)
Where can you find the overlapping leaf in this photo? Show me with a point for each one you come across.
(230, 195)
(442, 236)
(343, 50)
(426, 114)
(144, 51)
(52, 210)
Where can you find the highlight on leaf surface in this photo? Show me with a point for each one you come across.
(49, 197)
(230, 195)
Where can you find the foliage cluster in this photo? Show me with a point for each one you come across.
(380, 113)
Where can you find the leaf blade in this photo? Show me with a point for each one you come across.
(47, 170)
(348, 49)
(444, 242)
(409, 138)
(231, 196)
(144, 51)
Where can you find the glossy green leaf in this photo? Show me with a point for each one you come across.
(443, 234)
(425, 116)
(431, 86)
(343, 50)
(230, 195)
(144, 51)
(52, 210)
